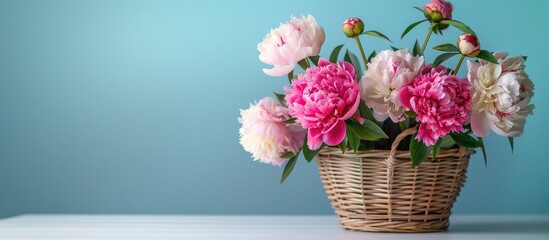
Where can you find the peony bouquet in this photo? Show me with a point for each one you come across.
(359, 106)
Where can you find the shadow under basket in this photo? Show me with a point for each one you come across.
(379, 191)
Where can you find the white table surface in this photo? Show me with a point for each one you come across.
(160, 227)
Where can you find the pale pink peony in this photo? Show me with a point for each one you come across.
(286, 45)
(387, 73)
(264, 134)
(322, 99)
(501, 96)
(441, 102)
(437, 10)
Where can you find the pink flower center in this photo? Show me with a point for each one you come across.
(395, 62)
(281, 42)
(501, 115)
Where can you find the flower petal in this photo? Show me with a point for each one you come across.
(314, 142)
(479, 123)
(278, 71)
(336, 134)
(404, 97)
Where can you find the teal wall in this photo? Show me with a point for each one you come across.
(131, 106)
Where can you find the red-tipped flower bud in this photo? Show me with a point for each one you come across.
(353, 27)
(468, 45)
(438, 10)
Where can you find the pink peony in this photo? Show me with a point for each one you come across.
(264, 134)
(441, 102)
(322, 99)
(286, 45)
(437, 10)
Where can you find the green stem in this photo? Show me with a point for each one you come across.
(459, 64)
(359, 44)
(427, 37)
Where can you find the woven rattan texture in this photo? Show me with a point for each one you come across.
(370, 191)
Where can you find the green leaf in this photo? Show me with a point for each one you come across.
(280, 97)
(377, 34)
(419, 9)
(443, 57)
(486, 55)
(291, 76)
(288, 155)
(367, 131)
(436, 29)
(459, 25)
(512, 144)
(412, 26)
(343, 145)
(290, 121)
(304, 64)
(436, 147)
(335, 53)
(366, 145)
(417, 49)
(448, 47)
(418, 151)
(372, 55)
(394, 48)
(410, 114)
(314, 59)
(366, 112)
(465, 140)
(288, 169)
(308, 153)
(447, 142)
(525, 58)
(352, 139)
(481, 142)
(353, 59)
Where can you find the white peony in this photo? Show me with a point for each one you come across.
(387, 73)
(286, 45)
(501, 95)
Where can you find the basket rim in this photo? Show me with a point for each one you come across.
(401, 155)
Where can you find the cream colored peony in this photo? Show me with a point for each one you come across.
(501, 95)
(387, 73)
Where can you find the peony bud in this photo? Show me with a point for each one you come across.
(468, 45)
(353, 27)
(438, 10)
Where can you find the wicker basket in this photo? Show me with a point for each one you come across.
(379, 191)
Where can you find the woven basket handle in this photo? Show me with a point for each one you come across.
(399, 138)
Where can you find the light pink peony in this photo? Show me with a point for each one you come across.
(441, 102)
(387, 73)
(264, 134)
(322, 99)
(501, 96)
(437, 10)
(288, 44)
